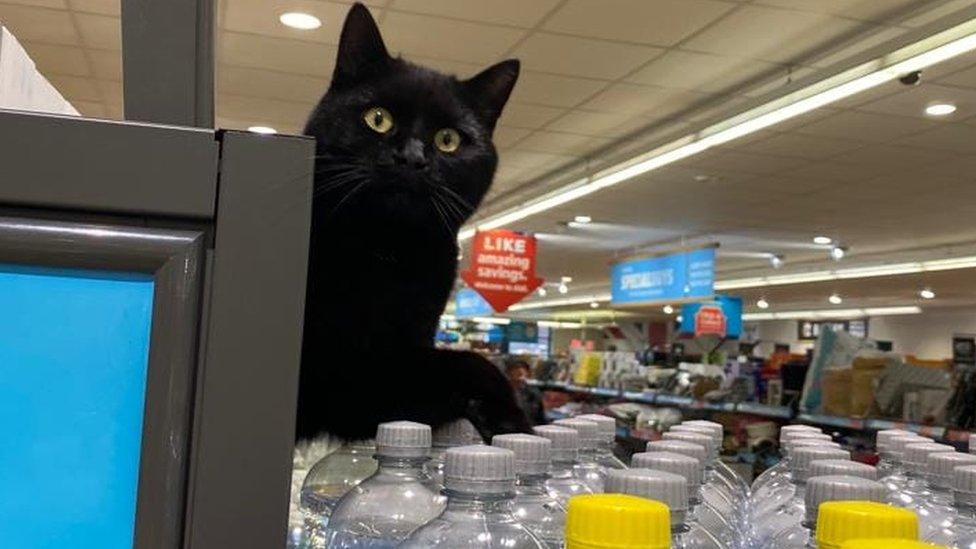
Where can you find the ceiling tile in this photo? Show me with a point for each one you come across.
(960, 138)
(867, 10)
(90, 109)
(531, 159)
(74, 88)
(505, 137)
(111, 92)
(107, 64)
(865, 126)
(555, 90)
(700, 71)
(770, 34)
(581, 56)
(883, 158)
(103, 7)
(599, 124)
(657, 22)
(248, 50)
(54, 4)
(51, 59)
(564, 143)
(100, 32)
(43, 25)
(460, 69)
(518, 13)
(261, 17)
(802, 146)
(412, 34)
(244, 108)
(965, 78)
(644, 101)
(270, 84)
(912, 101)
(927, 14)
(520, 115)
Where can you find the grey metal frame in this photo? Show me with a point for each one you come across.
(173, 258)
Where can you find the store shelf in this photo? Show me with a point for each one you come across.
(765, 410)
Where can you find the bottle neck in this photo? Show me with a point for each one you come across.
(401, 463)
(531, 480)
(469, 501)
(964, 503)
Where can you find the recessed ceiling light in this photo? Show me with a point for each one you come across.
(542, 291)
(563, 288)
(776, 261)
(822, 240)
(668, 309)
(300, 20)
(594, 304)
(927, 293)
(940, 109)
(762, 303)
(838, 253)
(679, 318)
(566, 279)
(263, 130)
(702, 177)
(835, 299)
(582, 219)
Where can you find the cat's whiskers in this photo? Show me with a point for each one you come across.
(442, 216)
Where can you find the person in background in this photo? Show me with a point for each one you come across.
(528, 398)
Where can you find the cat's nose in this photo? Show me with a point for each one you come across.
(411, 154)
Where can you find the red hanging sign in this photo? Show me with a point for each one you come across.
(710, 320)
(502, 267)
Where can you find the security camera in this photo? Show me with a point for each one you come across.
(911, 79)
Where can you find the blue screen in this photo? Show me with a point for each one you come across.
(74, 348)
(684, 275)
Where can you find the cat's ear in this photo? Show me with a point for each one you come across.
(489, 89)
(361, 49)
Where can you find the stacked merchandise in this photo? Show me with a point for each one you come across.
(562, 487)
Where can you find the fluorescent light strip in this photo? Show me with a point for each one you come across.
(833, 313)
(555, 324)
(924, 53)
(600, 298)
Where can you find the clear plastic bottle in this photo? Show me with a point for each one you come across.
(798, 519)
(713, 496)
(617, 521)
(842, 521)
(914, 490)
(717, 432)
(784, 478)
(588, 468)
(479, 482)
(534, 506)
(800, 460)
(712, 478)
(785, 432)
(883, 447)
(328, 480)
(455, 433)
(937, 510)
(888, 543)
(564, 482)
(397, 499)
(608, 435)
(895, 478)
(690, 468)
(958, 528)
(671, 490)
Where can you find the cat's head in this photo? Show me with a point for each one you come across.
(398, 141)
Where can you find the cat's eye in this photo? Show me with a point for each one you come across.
(378, 119)
(447, 140)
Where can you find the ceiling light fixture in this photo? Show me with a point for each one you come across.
(594, 304)
(762, 303)
(833, 313)
(263, 130)
(542, 291)
(889, 66)
(835, 299)
(563, 288)
(927, 293)
(776, 260)
(822, 240)
(300, 20)
(668, 309)
(940, 109)
(838, 252)
(558, 324)
(582, 219)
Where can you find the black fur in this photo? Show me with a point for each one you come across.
(383, 260)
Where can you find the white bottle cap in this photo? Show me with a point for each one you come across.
(972, 443)
(896, 444)
(402, 439)
(607, 426)
(670, 462)
(827, 467)
(455, 433)
(964, 479)
(885, 435)
(694, 438)
(916, 456)
(479, 469)
(801, 458)
(531, 452)
(941, 466)
(805, 442)
(697, 451)
(668, 488)
(702, 430)
(589, 431)
(717, 427)
(787, 430)
(565, 441)
(840, 488)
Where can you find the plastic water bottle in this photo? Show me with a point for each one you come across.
(328, 480)
(915, 458)
(617, 521)
(887, 543)
(397, 499)
(800, 460)
(841, 521)
(712, 478)
(936, 511)
(671, 490)
(884, 449)
(588, 467)
(895, 480)
(563, 482)
(958, 526)
(820, 490)
(534, 506)
(785, 477)
(479, 482)
(713, 496)
(717, 432)
(607, 432)
(781, 467)
(456, 433)
(698, 511)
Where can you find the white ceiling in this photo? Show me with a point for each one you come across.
(872, 171)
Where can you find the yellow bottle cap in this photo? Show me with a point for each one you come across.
(840, 521)
(888, 543)
(617, 521)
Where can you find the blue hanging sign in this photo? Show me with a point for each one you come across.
(469, 303)
(721, 316)
(687, 275)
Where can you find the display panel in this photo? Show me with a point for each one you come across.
(74, 349)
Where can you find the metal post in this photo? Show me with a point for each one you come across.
(168, 61)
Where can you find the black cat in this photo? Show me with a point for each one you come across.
(404, 157)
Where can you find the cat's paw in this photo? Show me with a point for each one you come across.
(491, 419)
